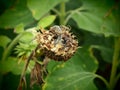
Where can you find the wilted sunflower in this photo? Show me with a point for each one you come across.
(58, 43)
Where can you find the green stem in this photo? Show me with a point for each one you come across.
(104, 80)
(71, 12)
(62, 13)
(1, 78)
(117, 78)
(8, 49)
(56, 11)
(68, 18)
(114, 63)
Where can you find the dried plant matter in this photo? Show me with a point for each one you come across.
(58, 43)
(36, 75)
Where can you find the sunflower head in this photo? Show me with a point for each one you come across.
(58, 43)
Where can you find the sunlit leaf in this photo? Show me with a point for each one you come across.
(19, 28)
(41, 7)
(27, 37)
(46, 21)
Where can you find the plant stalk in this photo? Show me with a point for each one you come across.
(114, 63)
(22, 78)
(8, 49)
(104, 80)
(62, 13)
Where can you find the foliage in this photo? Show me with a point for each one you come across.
(96, 25)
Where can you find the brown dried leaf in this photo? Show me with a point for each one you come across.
(36, 76)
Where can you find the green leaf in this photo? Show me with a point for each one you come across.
(46, 21)
(24, 49)
(20, 66)
(27, 37)
(16, 15)
(85, 58)
(106, 52)
(103, 44)
(4, 40)
(19, 28)
(7, 65)
(12, 65)
(75, 74)
(94, 17)
(41, 7)
(70, 81)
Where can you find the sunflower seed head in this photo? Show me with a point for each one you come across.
(58, 43)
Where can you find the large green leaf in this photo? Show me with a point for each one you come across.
(16, 15)
(70, 81)
(85, 58)
(75, 74)
(41, 7)
(98, 17)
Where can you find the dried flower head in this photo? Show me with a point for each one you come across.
(58, 43)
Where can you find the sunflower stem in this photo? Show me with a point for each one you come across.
(62, 13)
(114, 63)
(8, 49)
